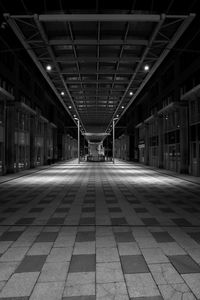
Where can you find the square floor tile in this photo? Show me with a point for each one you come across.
(150, 221)
(124, 237)
(140, 210)
(56, 221)
(148, 298)
(80, 298)
(25, 221)
(31, 263)
(184, 264)
(181, 222)
(10, 235)
(194, 235)
(62, 210)
(82, 263)
(114, 209)
(46, 237)
(36, 209)
(111, 201)
(141, 285)
(166, 209)
(88, 209)
(162, 237)
(118, 221)
(11, 209)
(87, 221)
(85, 236)
(132, 264)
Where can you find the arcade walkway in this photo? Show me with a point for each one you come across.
(98, 231)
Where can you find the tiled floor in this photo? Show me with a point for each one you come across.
(99, 231)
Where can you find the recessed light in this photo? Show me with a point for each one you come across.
(130, 93)
(117, 116)
(70, 107)
(48, 67)
(146, 67)
(122, 106)
(62, 93)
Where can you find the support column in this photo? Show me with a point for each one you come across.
(146, 149)
(32, 141)
(113, 141)
(78, 142)
(10, 138)
(160, 143)
(184, 143)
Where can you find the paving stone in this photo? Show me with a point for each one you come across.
(133, 264)
(56, 221)
(85, 236)
(124, 237)
(87, 221)
(184, 264)
(193, 281)
(118, 221)
(48, 290)
(32, 263)
(181, 222)
(7, 269)
(195, 236)
(109, 272)
(25, 221)
(114, 290)
(82, 263)
(176, 291)
(141, 285)
(10, 235)
(46, 237)
(162, 237)
(19, 285)
(61, 254)
(114, 209)
(36, 209)
(150, 221)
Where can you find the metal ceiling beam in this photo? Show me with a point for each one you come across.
(99, 18)
(44, 37)
(86, 59)
(99, 82)
(31, 53)
(107, 42)
(171, 44)
(145, 52)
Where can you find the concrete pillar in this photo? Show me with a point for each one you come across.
(32, 141)
(10, 138)
(146, 141)
(160, 142)
(184, 143)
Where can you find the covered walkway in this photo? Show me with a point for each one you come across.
(99, 231)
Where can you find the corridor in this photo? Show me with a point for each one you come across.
(99, 231)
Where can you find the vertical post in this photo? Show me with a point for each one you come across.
(113, 141)
(78, 142)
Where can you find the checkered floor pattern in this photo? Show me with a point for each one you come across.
(99, 231)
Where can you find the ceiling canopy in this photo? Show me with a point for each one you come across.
(98, 63)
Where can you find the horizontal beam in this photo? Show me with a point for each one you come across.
(87, 59)
(97, 82)
(99, 18)
(91, 42)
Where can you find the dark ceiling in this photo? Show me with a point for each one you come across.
(97, 54)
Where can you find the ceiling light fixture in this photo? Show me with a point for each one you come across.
(62, 93)
(146, 68)
(70, 107)
(122, 106)
(48, 67)
(130, 93)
